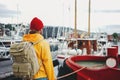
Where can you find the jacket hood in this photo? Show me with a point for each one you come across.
(32, 37)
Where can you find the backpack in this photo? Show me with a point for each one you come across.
(25, 63)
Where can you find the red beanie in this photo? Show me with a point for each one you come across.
(36, 24)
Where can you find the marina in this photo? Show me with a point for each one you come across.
(77, 54)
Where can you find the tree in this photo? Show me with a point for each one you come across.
(115, 37)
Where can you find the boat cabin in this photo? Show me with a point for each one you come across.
(89, 44)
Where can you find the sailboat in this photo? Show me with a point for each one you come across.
(82, 45)
(89, 66)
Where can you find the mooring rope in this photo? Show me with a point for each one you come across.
(66, 75)
(70, 73)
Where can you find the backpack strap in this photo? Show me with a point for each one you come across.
(37, 43)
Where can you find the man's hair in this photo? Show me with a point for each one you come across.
(33, 31)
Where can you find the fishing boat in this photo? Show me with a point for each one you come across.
(92, 67)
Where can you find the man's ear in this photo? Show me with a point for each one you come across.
(41, 31)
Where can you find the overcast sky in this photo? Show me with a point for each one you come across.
(61, 13)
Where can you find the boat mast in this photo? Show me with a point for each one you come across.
(76, 35)
(89, 11)
(75, 23)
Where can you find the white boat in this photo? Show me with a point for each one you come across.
(7, 40)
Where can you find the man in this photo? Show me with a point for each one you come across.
(46, 71)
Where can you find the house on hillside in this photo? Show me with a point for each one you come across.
(110, 38)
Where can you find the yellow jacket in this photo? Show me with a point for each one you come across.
(43, 54)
